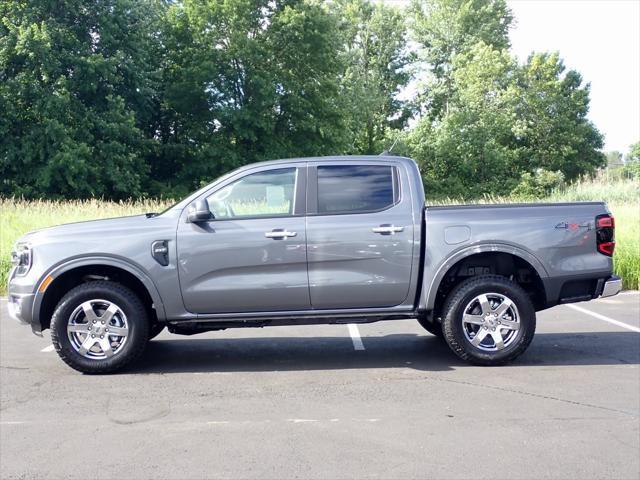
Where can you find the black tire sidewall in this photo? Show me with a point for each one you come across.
(460, 298)
(136, 318)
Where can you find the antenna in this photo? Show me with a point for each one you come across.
(386, 152)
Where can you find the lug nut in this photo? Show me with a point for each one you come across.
(93, 336)
(106, 329)
(101, 336)
(102, 322)
(94, 321)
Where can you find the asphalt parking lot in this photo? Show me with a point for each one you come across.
(321, 402)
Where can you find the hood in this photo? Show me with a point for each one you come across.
(88, 228)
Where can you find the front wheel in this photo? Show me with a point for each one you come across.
(488, 320)
(99, 327)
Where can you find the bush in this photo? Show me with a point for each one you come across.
(539, 184)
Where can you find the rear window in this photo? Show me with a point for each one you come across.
(356, 188)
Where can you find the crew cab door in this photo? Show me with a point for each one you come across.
(252, 255)
(360, 234)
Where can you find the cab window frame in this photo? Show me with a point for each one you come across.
(313, 188)
(299, 188)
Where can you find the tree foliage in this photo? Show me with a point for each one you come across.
(376, 59)
(121, 98)
(499, 119)
(77, 89)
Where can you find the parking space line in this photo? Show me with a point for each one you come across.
(48, 349)
(604, 318)
(355, 336)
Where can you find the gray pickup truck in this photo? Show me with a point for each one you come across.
(309, 241)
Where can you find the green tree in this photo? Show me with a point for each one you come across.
(77, 94)
(469, 152)
(505, 120)
(376, 56)
(634, 153)
(248, 80)
(631, 167)
(446, 28)
(551, 124)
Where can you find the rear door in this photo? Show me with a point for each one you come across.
(360, 234)
(252, 256)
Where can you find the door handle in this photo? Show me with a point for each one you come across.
(278, 233)
(387, 229)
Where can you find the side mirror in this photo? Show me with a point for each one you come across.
(199, 212)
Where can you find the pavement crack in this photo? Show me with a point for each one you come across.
(535, 395)
(131, 417)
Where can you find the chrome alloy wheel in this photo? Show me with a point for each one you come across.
(491, 322)
(98, 329)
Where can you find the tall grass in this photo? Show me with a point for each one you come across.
(623, 196)
(18, 217)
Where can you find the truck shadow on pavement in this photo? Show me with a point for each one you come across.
(420, 352)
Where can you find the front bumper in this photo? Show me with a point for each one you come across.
(20, 307)
(612, 286)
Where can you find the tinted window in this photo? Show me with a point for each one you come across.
(355, 188)
(262, 194)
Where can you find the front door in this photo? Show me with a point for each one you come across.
(360, 235)
(252, 256)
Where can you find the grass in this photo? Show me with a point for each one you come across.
(623, 196)
(18, 217)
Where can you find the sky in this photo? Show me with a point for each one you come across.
(598, 38)
(601, 40)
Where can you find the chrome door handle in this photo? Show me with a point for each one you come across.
(279, 234)
(387, 229)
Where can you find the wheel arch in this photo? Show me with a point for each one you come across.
(498, 256)
(70, 274)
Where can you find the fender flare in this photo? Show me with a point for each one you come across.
(110, 261)
(475, 249)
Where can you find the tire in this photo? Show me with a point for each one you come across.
(488, 320)
(155, 329)
(433, 327)
(85, 322)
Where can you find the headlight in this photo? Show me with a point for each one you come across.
(21, 258)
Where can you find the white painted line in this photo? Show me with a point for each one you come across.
(355, 336)
(602, 317)
(48, 349)
(301, 420)
(11, 423)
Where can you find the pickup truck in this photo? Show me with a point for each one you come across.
(328, 240)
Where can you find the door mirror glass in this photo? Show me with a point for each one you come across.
(199, 212)
(263, 194)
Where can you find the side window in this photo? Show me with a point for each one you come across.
(263, 194)
(356, 188)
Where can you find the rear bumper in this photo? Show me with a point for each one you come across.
(612, 286)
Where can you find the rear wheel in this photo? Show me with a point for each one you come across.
(99, 327)
(488, 320)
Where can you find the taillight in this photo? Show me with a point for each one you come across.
(605, 234)
(606, 221)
